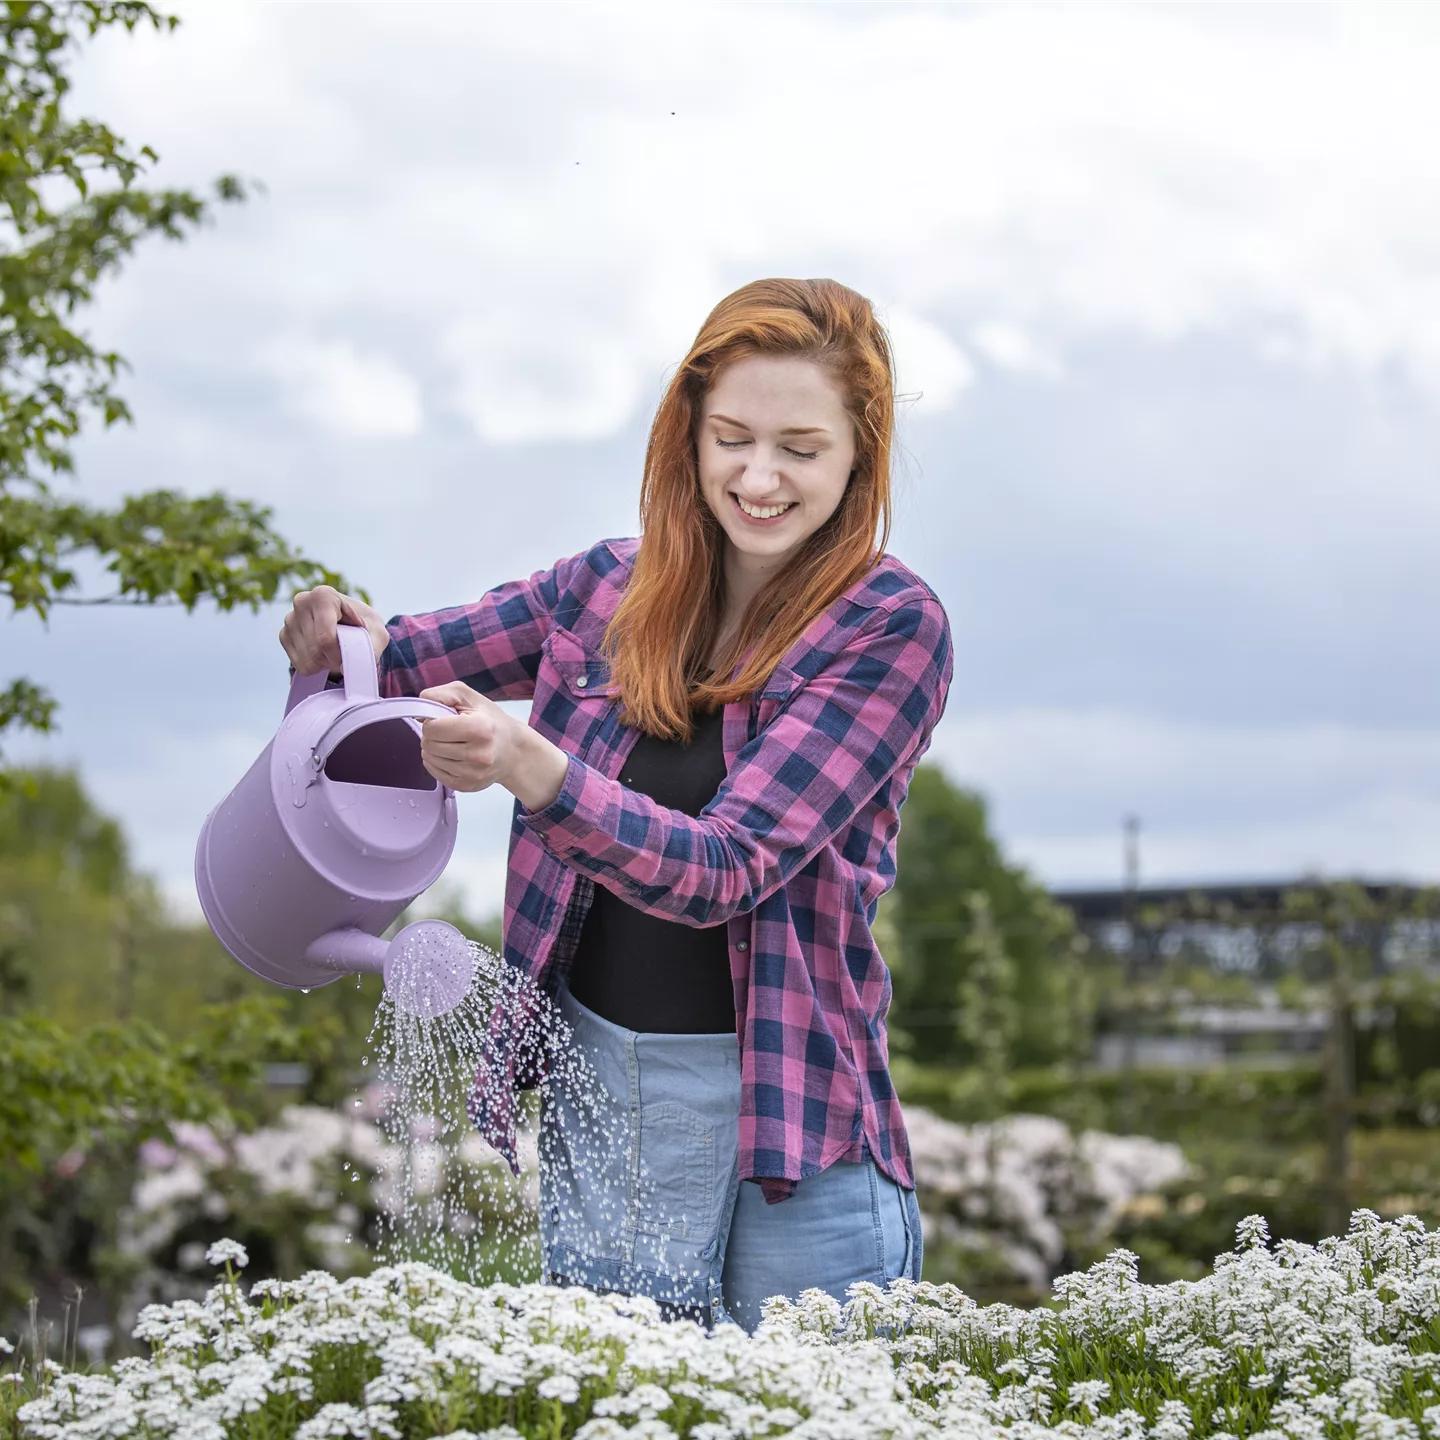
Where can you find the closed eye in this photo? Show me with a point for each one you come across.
(736, 444)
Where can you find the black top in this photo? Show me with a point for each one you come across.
(636, 970)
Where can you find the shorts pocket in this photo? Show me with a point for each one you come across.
(896, 1239)
(675, 1187)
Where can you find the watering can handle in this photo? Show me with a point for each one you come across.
(357, 660)
(349, 721)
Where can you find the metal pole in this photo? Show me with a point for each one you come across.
(1131, 826)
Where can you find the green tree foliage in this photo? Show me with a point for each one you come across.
(989, 1015)
(75, 1103)
(946, 858)
(85, 938)
(117, 1022)
(67, 889)
(72, 209)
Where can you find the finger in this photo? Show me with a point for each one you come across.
(459, 757)
(457, 776)
(456, 693)
(454, 727)
(298, 637)
(325, 612)
(349, 612)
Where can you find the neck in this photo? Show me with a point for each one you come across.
(744, 576)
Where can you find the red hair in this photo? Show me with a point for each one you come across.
(660, 636)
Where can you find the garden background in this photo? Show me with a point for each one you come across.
(1165, 310)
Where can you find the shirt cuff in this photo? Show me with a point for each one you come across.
(559, 814)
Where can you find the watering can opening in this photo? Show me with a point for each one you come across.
(386, 753)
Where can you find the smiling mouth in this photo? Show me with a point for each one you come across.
(762, 512)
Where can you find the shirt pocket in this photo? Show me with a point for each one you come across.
(579, 670)
(574, 693)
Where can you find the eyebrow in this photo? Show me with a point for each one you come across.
(789, 429)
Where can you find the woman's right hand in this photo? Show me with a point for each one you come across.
(309, 635)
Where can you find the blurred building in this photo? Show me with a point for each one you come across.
(1156, 934)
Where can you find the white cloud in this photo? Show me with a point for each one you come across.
(584, 190)
(928, 363)
(348, 392)
(514, 387)
(1010, 347)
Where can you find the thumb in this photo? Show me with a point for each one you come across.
(349, 613)
(457, 695)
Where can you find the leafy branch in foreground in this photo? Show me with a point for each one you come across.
(72, 210)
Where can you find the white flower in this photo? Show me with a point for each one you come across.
(564, 1388)
(1350, 1324)
(227, 1250)
(1089, 1392)
(341, 1422)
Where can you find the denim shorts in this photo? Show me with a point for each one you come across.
(640, 1190)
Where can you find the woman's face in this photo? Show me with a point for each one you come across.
(776, 447)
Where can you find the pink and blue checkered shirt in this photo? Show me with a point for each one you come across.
(792, 854)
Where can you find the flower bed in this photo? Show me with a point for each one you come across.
(1339, 1339)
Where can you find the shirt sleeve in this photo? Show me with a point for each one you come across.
(492, 644)
(801, 781)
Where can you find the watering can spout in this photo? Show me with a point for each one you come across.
(428, 967)
(349, 951)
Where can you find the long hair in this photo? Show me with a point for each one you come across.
(668, 618)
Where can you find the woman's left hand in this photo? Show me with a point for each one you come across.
(481, 745)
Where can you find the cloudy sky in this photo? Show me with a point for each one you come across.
(1165, 290)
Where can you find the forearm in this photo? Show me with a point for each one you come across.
(697, 870)
(537, 770)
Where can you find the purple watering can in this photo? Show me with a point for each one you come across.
(333, 831)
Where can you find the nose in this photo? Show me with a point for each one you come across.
(762, 473)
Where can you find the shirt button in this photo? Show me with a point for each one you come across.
(581, 681)
(742, 945)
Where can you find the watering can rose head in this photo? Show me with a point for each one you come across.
(338, 826)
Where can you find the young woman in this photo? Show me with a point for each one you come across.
(726, 713)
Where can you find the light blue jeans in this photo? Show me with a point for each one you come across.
(640, 1189)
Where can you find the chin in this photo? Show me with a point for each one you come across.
(765, 545)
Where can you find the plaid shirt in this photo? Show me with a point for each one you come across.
(791, 856)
